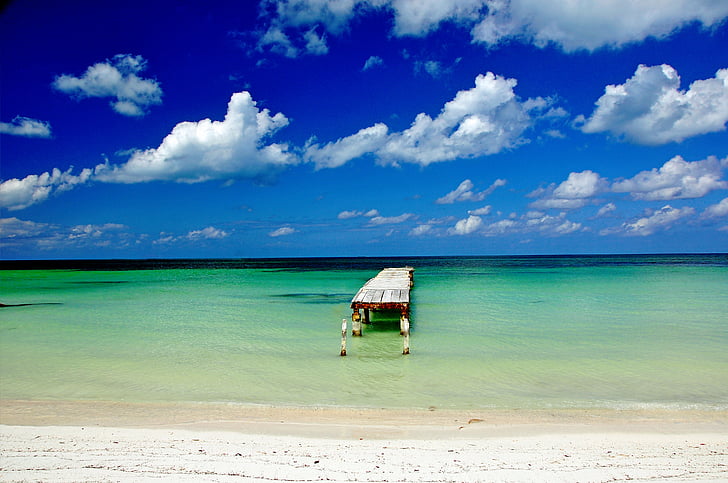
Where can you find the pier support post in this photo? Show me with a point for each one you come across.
(343, 337)
(366, 316)
(404, 315)
(356, 323)
(405, 339)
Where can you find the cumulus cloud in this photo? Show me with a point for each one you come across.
(14, 230)
(531, 222)
(606, 209)
(575, 192)
(653, 221)
(571, 26)
(23, 234)
(345, 215)
(17, 194)
(717, 210)
(93, 231)
(591, 24)
(234, 148)
(26, 127)
(338, 153)
(282, 231)
(390, 220)
(464, 192)
(650, 109)
(420, 230)
(484, 211)
(676, 179)
(485, 119)
(209, 233)
(205, 150)
(116, 78)
(466, 226)
(372, 62)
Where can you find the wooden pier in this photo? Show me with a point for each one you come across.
(389, 290)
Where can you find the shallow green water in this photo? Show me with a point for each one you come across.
(536, 332)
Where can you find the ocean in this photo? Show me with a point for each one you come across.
(622, 332)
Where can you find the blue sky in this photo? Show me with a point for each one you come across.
(362, 128)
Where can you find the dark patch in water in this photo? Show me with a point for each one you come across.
(25, 305)
(317, 298)
(100, 282)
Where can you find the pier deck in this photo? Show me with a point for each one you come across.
(389, 290)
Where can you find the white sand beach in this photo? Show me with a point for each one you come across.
(57, 441)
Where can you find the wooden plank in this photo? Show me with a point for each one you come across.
(390, 287)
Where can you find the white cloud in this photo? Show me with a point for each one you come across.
(554, 133)
(372, 62)
(26, 127)
(420, 230)
(485, 119)
(206, 150)
(466, 226)
(345, 215)
(464, 192)
(419, 18)
(606, 209)
(209, 233)
(390, 220)
(431, 67)
(501, 227)
(314, 44)
(278, 42)
(17, 194)
(549, 224)
(14, 229)
(572, 25)
(531, 222)
(282, 231)
(650, 109)
(591, 24)
(116, 78)
(25, 234)
(575, 192)
(484, 211)
(93, 231)
(333, 15)
(676, 179)
(717, 210)
(662, 219)
(338, 153)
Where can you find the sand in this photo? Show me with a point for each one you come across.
(95, 441)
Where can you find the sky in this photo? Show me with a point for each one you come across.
(315, 128)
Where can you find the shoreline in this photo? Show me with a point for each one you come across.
(105, 441)
(351, 422)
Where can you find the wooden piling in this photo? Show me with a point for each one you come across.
(356, 323)
(405, 338)
(343, 337)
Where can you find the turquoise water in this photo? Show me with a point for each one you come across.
(541, 332)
